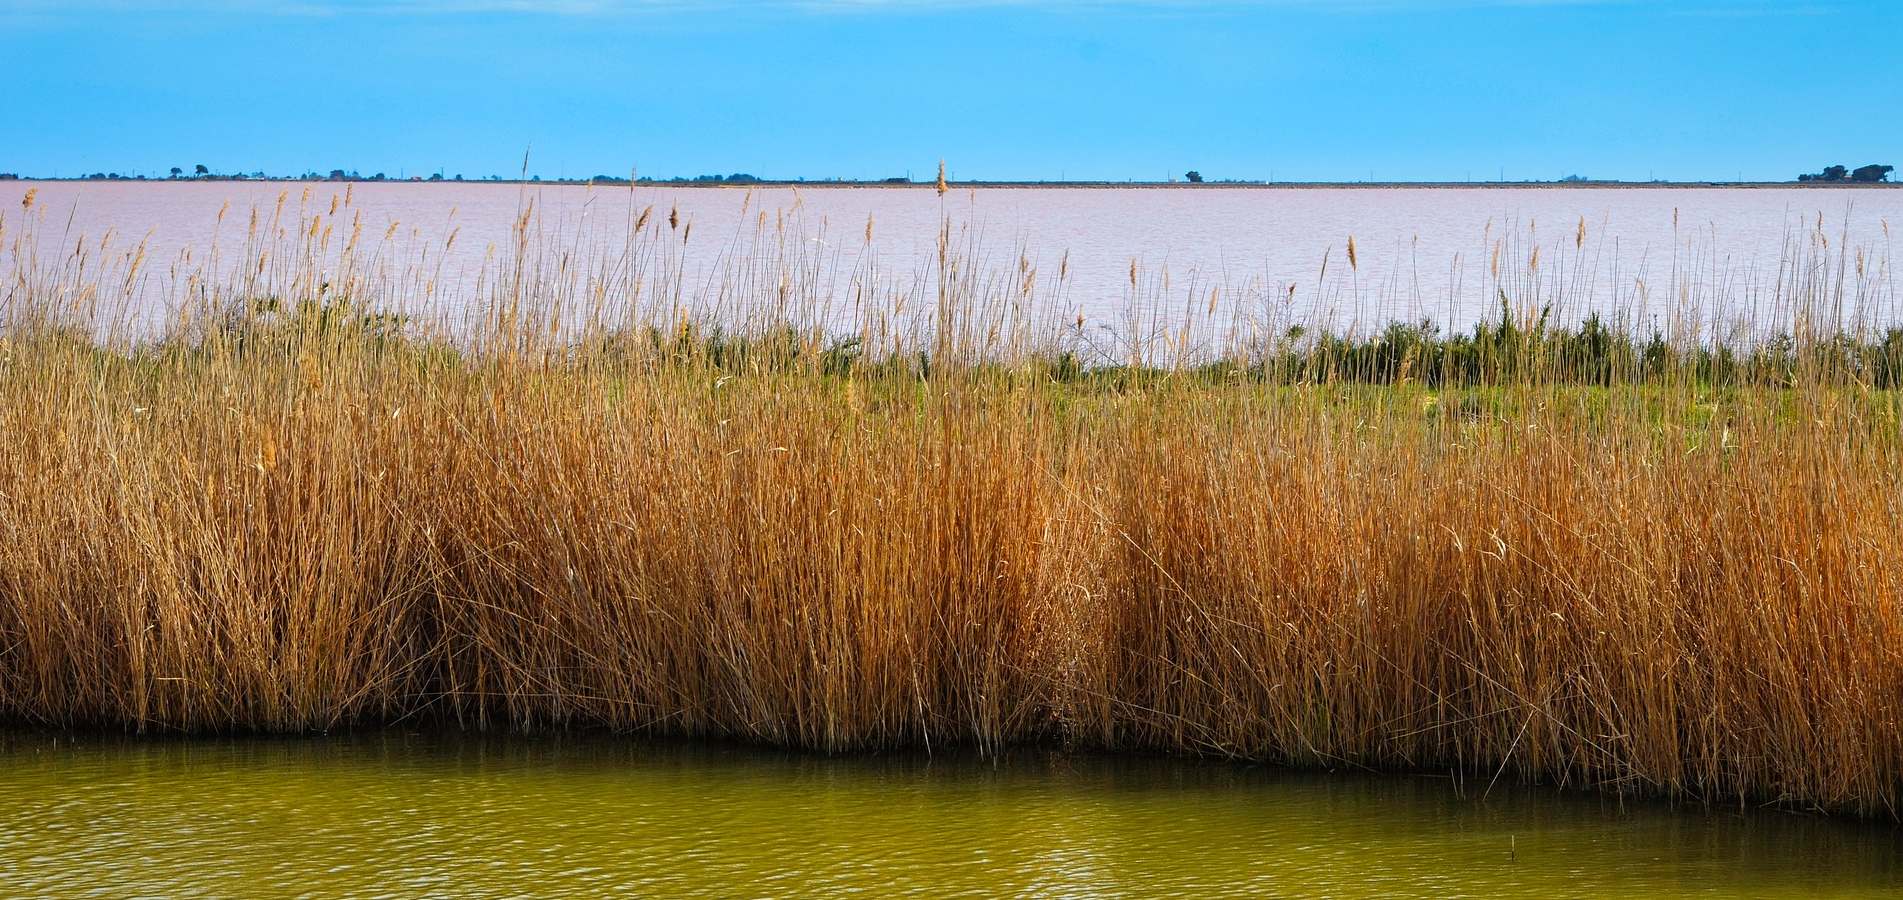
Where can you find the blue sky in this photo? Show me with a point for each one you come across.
(1295, 89)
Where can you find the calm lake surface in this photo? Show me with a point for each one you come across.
(1421, 252)
(407, 815)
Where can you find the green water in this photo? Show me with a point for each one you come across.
(407, 815)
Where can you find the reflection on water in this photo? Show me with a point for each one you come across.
(409, 815)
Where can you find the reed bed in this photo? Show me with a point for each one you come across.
(867, 512)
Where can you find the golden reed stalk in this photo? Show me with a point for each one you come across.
(292, 520)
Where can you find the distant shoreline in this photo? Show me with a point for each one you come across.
(1010, 185)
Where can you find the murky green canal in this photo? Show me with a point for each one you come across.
(408, 815)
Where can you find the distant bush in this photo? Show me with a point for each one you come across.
(1869, 174)
(1872, 173)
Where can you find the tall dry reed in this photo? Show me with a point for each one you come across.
(840, 523)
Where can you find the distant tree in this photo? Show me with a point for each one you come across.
(378, 177)
(1194, 176)
(176, 171)
(1872, 173)
(438, 176)
(1830, 173)
(200, 170)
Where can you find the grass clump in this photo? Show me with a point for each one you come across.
(1646, 565)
